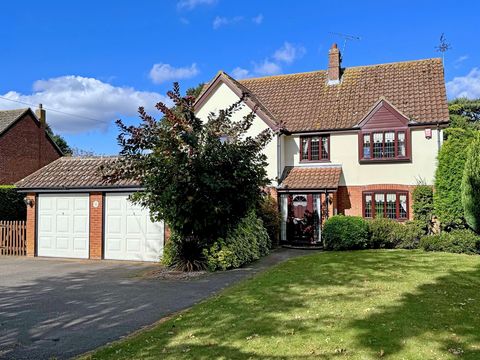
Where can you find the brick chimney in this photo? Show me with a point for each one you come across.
(334, 62)
(41, 114)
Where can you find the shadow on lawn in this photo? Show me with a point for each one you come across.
(259, 316)
(445, 311)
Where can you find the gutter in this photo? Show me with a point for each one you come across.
(81, 189)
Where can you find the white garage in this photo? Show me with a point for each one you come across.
(129, 232)
(63, 225)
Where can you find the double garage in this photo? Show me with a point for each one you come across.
(87, 219)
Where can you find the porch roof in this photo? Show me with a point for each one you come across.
(311, 178)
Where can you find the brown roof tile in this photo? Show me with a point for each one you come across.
(72, 173)
(304, 101)
(321, 177)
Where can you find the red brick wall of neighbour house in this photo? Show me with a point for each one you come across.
(96, 226)
(350, 198)
(24, 148)
(31, 220)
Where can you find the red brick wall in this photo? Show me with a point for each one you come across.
(349, 198)
(31, 218)
(96, 226)
(21, 152)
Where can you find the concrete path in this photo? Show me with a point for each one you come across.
(58, 308)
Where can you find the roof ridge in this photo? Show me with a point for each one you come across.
(271, 77)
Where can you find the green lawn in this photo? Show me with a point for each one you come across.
(348, 305)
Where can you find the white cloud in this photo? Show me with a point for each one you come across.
(267, 67)
(165, 72)
(240, 73)
(289, 53)
(220, 21)
(192, 4)
(258, 19)
(465, 86)
(458, 62)
(90, 98)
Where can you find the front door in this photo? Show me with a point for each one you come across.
(303, 218)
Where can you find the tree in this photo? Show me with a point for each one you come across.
(423, 204)
(464, 113)
(201, 178)
(60, 141)
(448, 177)
(471, 186)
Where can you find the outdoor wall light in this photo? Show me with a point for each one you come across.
(28, 202)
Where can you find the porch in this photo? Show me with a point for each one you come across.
(307, 197)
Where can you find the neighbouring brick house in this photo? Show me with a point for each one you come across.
(353, 140)
(25, 146)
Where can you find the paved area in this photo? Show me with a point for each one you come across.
(58, 308)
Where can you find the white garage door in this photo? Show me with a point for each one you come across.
(63, 225)
(129, 233)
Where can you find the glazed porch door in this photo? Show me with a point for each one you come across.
(301, 218)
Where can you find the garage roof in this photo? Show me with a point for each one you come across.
(74, 173)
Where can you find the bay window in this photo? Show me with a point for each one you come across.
(315, 148)
(384, 145)
(385, 204)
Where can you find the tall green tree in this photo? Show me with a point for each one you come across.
(200, 177)
(471, 186)
(448, 177)
(464, 113)
(60, 141)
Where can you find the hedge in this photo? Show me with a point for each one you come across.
(451, 162)
(345, 232)
(248, 242)
(12, 206)
(471, 186)
(460, 241)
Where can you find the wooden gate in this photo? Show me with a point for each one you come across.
(13, 239)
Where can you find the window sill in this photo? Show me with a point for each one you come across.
(397, 220)
(314, 161)
(383, 161)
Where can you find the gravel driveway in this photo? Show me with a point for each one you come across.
(61, 308)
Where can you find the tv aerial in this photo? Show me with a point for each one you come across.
(346, 37)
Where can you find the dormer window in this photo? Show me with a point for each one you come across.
(315, 148)
(384, 145)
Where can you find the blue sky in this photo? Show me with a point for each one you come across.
(102, 59)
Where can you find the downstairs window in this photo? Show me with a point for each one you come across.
(385, 204)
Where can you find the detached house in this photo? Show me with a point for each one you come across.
(25, 146)
(351, 141)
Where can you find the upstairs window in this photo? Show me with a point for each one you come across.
(383, 145)
(315, 148)
(385, 204)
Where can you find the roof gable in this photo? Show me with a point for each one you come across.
(383, 116)
(242, 92)
(9, 118)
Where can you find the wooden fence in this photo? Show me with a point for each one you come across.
(13, 239)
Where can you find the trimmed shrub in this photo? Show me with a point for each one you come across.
(345, 232)
(471, 186)
(169, 253)
(12, 206)
(268, 212)
(461, 241)
(248, 242)
(423, 204)
(451, 162)
(385, 233)
(410, 234)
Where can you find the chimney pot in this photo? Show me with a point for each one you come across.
(334, 64)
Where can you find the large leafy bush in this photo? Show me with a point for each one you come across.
(471, 186)
(457, 241)
(268, 212)
(248, 242)
(12, 206)
(200, 177)
(448, 177)
(385, 233)
(345, 232)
